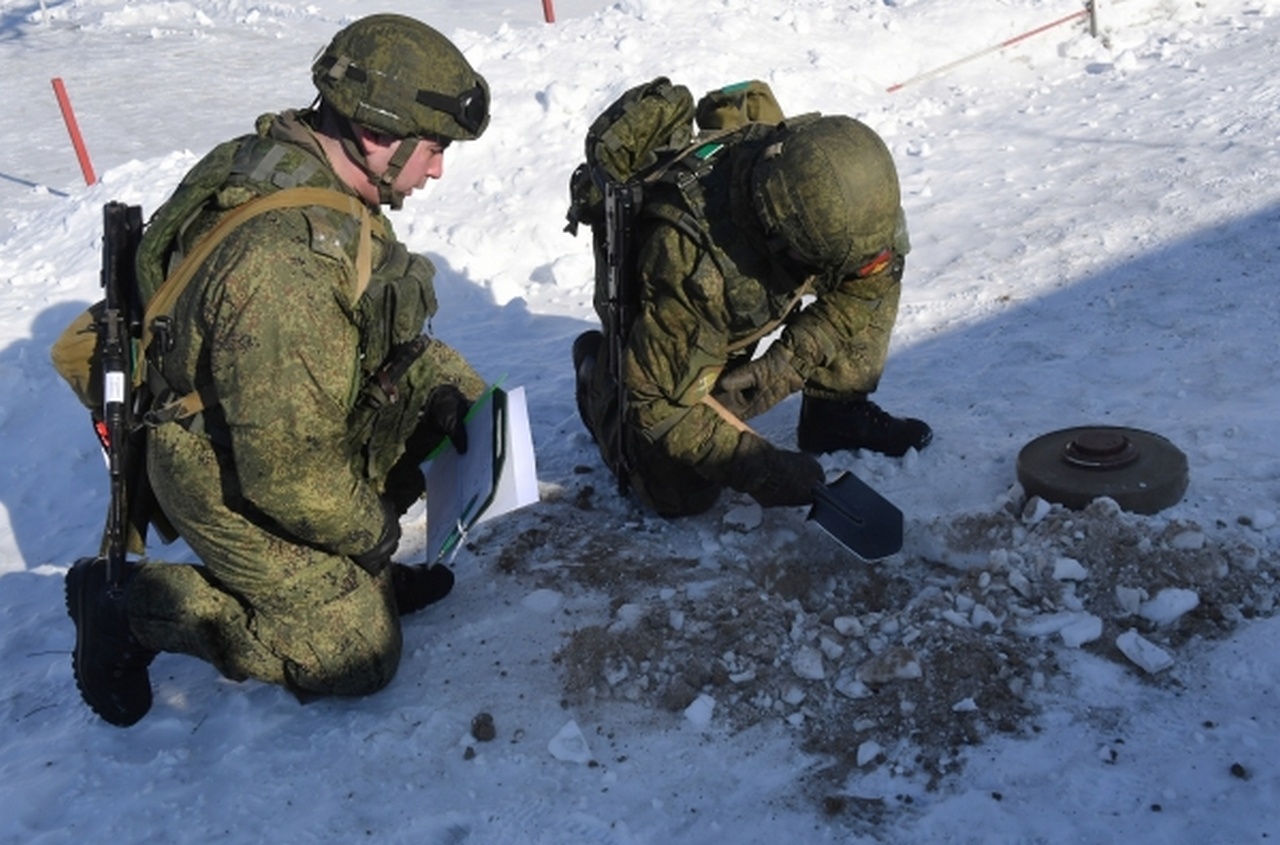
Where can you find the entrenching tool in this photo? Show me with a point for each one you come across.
(858, 517)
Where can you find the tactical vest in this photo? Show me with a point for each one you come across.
(391, 293)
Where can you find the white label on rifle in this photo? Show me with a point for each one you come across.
(113, 389)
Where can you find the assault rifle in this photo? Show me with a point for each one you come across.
(119, 325)
(620, 201)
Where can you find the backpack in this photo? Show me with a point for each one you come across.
(648, 124)
(653, 132)
(649, 128)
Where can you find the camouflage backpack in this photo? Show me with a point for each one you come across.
(650, 127)
(654, 132)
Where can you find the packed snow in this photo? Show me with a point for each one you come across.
(1094, 220)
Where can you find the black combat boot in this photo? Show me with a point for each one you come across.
(109, 663)
(829, 425)
(586, 351)
(415, 587)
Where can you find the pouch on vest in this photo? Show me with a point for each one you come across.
(396, 305)
(75, 357)
(737, 105)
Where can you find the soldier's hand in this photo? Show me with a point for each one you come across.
(775, 477)
(447, 410)
(754, 387)
(378, 558)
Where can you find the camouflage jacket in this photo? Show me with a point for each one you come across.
(710, 288)
(272, 324)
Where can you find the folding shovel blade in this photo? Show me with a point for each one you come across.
(858, 517)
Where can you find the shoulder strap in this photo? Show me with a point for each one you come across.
(162, 303)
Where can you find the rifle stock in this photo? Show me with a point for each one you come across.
(119, 325)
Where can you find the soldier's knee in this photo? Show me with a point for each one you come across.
(353, 671)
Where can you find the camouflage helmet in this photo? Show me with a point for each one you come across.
(827, 189)
(398, 76)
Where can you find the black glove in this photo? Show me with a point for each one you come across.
(774, 477)
(415, 587)
(378, 558)
(447, 410)
(754, 387)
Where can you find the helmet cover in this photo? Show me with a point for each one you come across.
(828, 190)
(397, 76)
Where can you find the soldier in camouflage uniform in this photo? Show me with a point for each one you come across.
(728, 243)
(290, 479)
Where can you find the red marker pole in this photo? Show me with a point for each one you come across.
(64, 103)
(548, 12)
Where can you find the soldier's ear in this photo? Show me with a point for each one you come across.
(371, 141)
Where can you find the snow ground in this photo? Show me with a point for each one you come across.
(1095, 227)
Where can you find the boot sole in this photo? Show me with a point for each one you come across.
(108, 708)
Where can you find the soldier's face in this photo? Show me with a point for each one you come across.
(427, 162)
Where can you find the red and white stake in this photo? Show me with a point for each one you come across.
(1014, 40)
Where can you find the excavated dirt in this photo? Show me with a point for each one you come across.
(749, 617)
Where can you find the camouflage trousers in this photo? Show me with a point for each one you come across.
(263, 605)
(659, 482)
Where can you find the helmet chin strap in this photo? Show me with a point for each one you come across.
(387, 195)
(385, 181)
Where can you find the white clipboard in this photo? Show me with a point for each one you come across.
(497, 475)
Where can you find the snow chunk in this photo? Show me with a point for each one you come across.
(1168, 605)
(629, 616)
(1145, 654)
(982, 617)
(1069, 569)
(1260, 519)
(543, 601)
(807, 663)
(1130, 598)
(1046, 624)
(1084, 629)
(895, 664)
(832, 649)
(1036, 510)
(699, 712)
(847, 626)
(1019, 583)
(869, 751)
(850, 687)
(744, 517)
(1188, 541)
(569, 745)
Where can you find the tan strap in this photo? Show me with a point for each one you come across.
(162, 303)
(725, 414)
